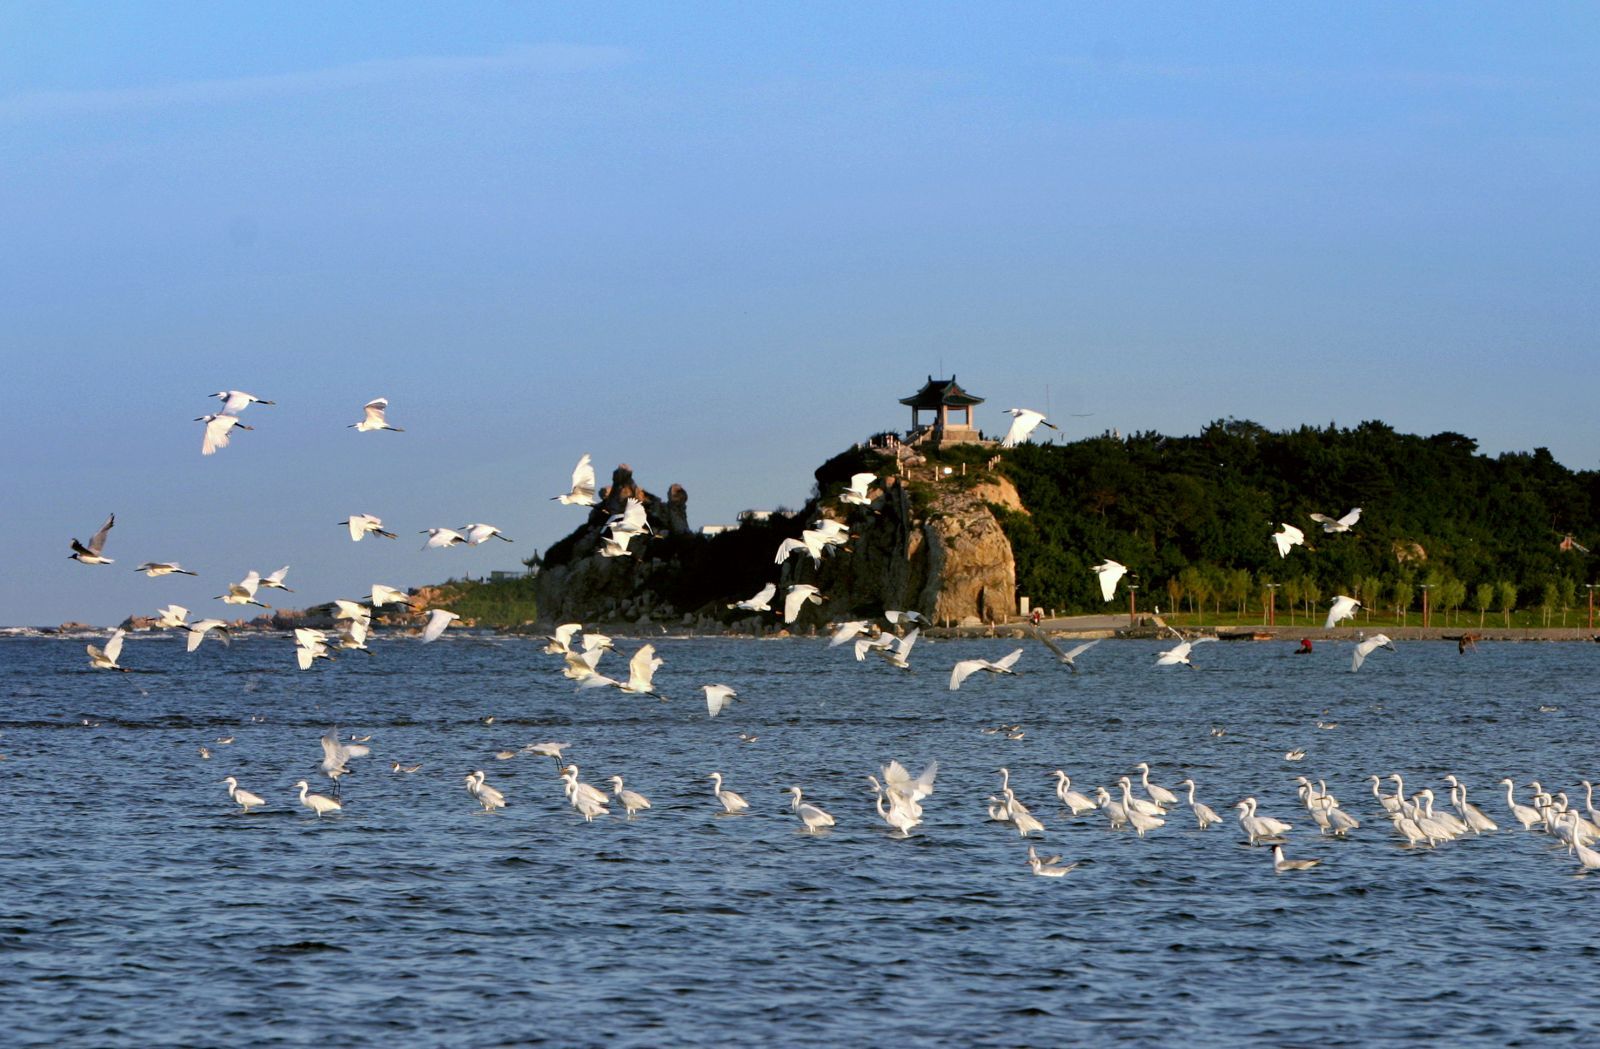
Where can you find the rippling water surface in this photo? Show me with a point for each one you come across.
(140, 907)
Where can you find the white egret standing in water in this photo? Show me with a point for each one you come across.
(318, 803)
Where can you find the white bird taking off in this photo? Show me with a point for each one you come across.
(1070, 656)
(1367, 647)
(1109, 572)
(1288, 536)
(438, 621)
(1343, 524)
(90, 555)
(582, 493)
(1180, 653)
(362, 524)
(236, 401)
(161, 568)
(641, 673)
(967, 667)
(107, 659)
(856, 492)
(1342, 608)
(219, 429)
(898, 650)
(1023, 422)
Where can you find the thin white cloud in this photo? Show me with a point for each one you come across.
(537, 58)
(1279, 77)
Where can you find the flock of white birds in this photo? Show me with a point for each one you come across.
(352, 619)
(898, 796)
(1142, 806)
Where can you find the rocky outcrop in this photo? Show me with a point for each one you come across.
(576, 583)
(970, 573)
(677, 510)
(938, 550)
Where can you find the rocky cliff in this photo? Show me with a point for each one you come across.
(932, 547)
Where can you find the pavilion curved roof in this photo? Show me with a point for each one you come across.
(938, 392)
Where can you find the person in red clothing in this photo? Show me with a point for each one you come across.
(1305, 647)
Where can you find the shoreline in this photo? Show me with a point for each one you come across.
(1066, 627)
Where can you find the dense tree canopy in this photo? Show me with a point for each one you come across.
(1433, 512)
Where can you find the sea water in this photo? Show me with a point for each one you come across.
(139, 907)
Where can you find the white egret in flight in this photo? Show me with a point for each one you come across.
(1342, 608)
(481, 533)
(236, 401)
(856, 492)
(1367, 647)
(1109, 572)
(1343, 524)
(275, 580)
(388, 595)
(161, 568)
(375, 419)
(362, 524)
(201, 627)
(219, 430)
(898, 649)
(641, 674)
(967, 667)
(244, 591)
(310, 646)
(441, 537)
(1069, 656)
(582, 493)
(799, 594)
(761, 602)
(171, 616)
(107, 659)
(438, 621)
(1288, 536)
(718, 697)
(1023, 422)
(1180, 653)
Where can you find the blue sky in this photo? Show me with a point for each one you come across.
(719, 242)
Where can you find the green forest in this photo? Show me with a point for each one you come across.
(1193, 517)
(1500, 540)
